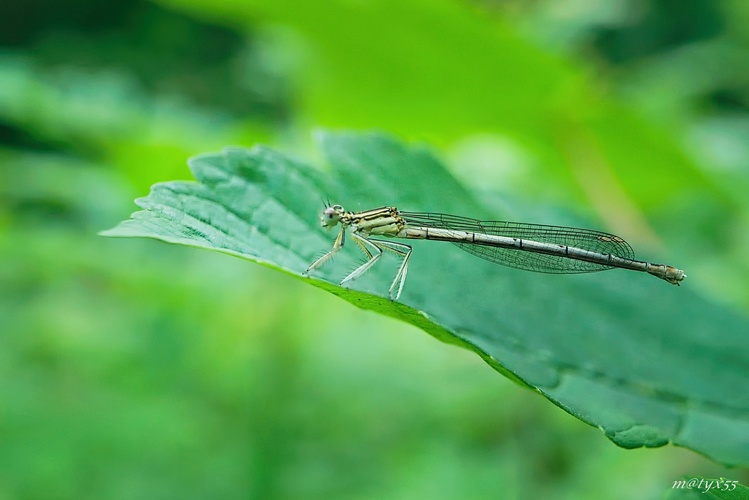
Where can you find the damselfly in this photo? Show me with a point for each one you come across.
(533, 247)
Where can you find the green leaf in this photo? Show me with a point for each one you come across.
(646, 362)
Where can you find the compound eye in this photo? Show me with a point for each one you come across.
(330, 216)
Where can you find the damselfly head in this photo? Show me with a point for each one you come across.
(331, 216)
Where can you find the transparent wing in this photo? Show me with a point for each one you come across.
(586, 239)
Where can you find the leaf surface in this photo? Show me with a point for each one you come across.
(646, 362)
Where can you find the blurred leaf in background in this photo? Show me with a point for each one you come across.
(627, 139)
(132, 369)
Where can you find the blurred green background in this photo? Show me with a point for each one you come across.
(134, 369)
